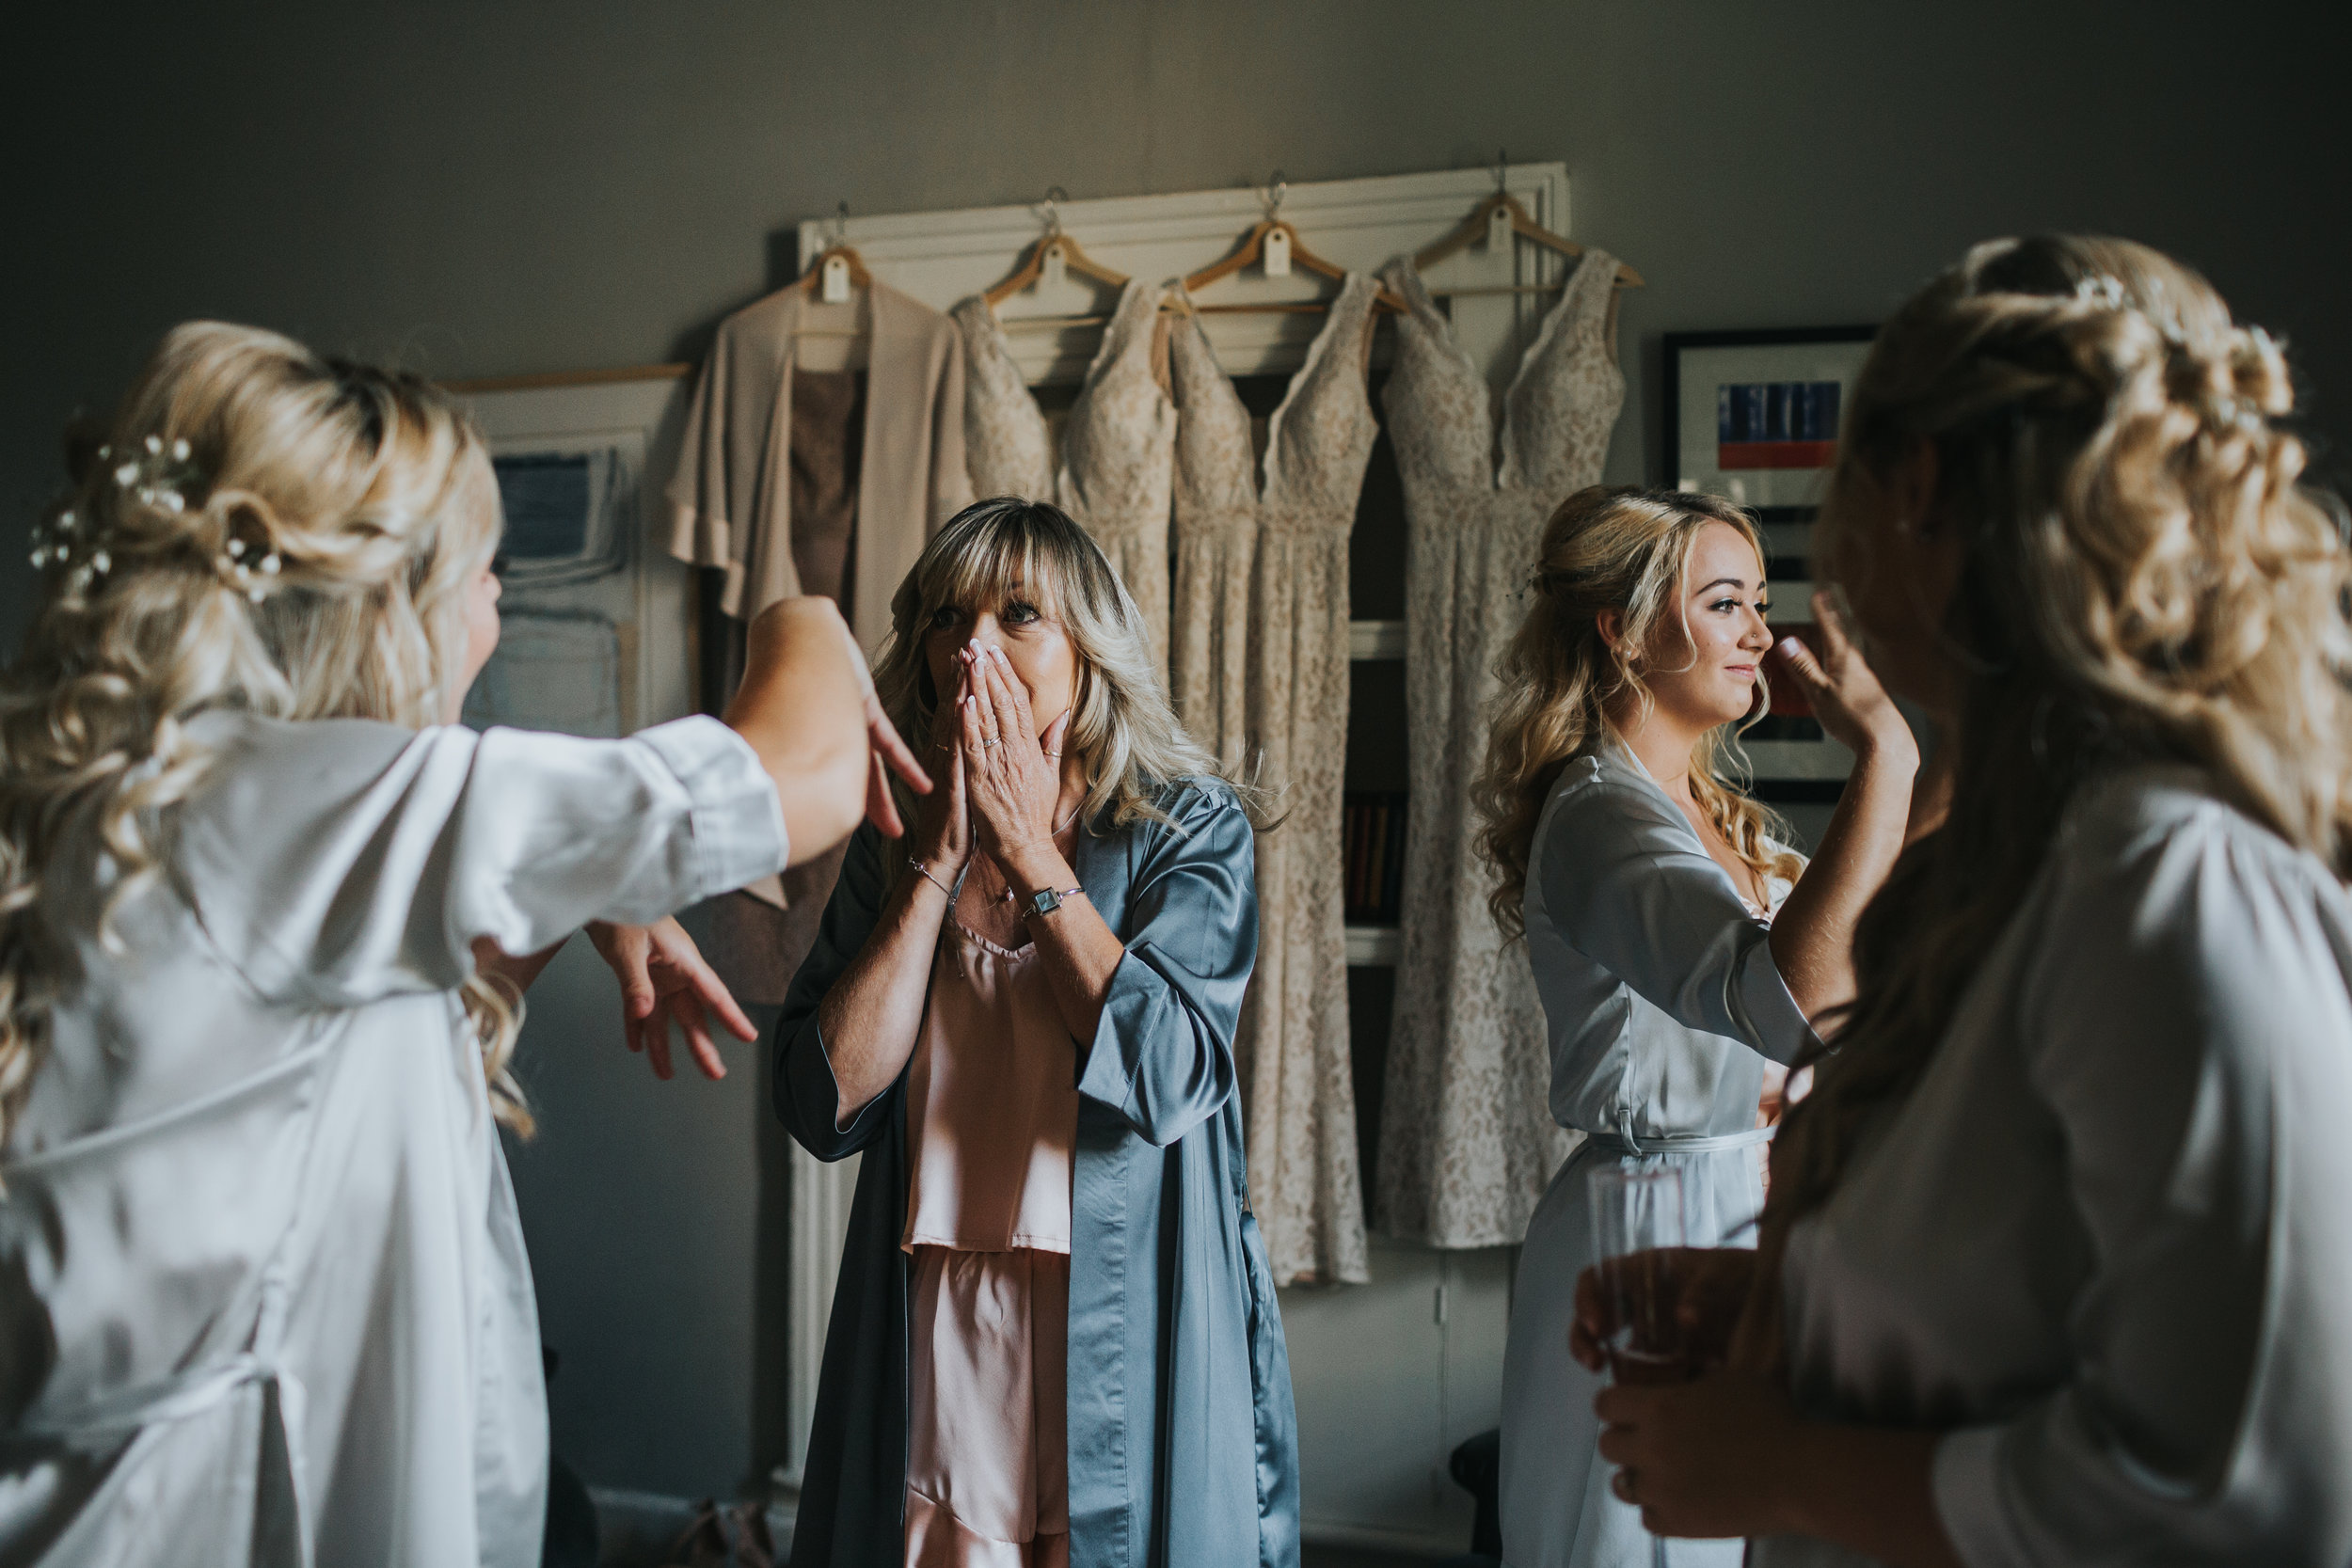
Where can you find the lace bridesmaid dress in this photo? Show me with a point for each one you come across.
(1261, 675)
(1467, 1142)
(1116, 444)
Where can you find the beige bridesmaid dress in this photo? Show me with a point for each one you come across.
(1117, 443)
(1261, 677)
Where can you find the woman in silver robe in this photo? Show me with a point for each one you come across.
(1677, 966)
(1078, 831)
(2057, 1252)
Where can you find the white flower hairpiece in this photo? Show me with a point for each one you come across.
(158, 476)
(2103, 290)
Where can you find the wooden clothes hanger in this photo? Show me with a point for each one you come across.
(1480, 223)
(1254, 247)
(1054, 246)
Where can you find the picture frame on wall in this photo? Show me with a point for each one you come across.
(1753, 416)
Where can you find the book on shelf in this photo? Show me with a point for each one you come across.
(1372, 827)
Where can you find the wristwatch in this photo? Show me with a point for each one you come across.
(1046, 900)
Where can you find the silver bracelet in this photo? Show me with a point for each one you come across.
(924, 872)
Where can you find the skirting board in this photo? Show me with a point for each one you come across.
(654, 1519)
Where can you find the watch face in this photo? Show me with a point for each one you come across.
(1046, 901)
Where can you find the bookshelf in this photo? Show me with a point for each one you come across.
(1375, 642)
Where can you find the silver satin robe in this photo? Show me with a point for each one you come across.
(1182, 1441)
(263, 1298)
(1662, 1005)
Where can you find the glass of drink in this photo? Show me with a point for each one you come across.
(1636, 1214)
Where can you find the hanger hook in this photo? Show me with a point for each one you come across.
(1055, 197)
(1503, 166)
(1281, 188)
(841, 226)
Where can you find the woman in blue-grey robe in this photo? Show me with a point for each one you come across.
(1181, 1439)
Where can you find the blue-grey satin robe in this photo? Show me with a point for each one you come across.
(1184, 1447)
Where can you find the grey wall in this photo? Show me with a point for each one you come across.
(503, 187)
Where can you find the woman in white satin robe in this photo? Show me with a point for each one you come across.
(262, 1292)
(2059, 1246)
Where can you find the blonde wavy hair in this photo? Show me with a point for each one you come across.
(1122, 725)
(264, 530)
(1607, 547)
(2142, 580)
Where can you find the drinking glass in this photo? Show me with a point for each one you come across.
(1635, 1211)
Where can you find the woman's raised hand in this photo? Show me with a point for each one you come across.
(1844, 691)
(943, 833)
(1014, 777)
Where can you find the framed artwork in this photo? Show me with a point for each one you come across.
(1753, 416)
(596, 620)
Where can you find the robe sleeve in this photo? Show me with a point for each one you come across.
(951, 478)
(1625, 882)
(701, 523)
(1161, 1057)
(336, 861)
(2187, 1026)
(808, 1098)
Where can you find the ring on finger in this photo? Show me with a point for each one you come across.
(987, 741)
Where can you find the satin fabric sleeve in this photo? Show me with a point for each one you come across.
(1626, 882)
(1162, 1055)
(337, 862)
(2188, 1026)
(808, 1099)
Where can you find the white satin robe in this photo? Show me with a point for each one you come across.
(2107, 1244)
(263, 1297)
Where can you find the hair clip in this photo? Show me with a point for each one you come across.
(2103, 290)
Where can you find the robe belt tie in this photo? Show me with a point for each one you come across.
(101, 1423)
(1626, 1145)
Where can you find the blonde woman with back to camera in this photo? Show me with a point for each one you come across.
(264, 912)
(1679, 948)
(2057, 1252)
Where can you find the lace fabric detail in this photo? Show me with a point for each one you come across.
(1466, 1140)
(1118, 443)
(1259, 672)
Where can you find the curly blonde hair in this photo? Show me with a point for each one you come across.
(1120, 721)
(1607, 547)
(2142, 580)
(264, 529)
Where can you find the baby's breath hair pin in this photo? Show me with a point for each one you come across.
(2103, 290)
(249, 576)
(152, 475)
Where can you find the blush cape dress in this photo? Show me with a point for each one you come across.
(1182, 1439)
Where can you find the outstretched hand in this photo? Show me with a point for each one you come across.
(664, 980)
(889, 755)
(887, 751)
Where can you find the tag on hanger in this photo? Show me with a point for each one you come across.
(1276, 252)
(1056, 270)
(835, 283)
(1498, 231)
